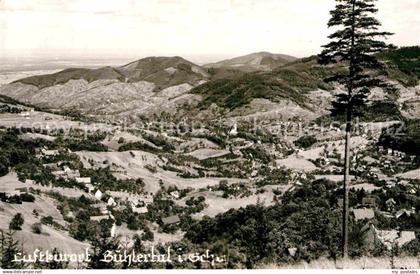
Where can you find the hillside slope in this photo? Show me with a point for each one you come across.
(146, 86)
(162, 71)
(291, 82)
(254, 62)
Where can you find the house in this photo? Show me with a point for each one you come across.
(22, 189)
(171, 220)
(120, 208)
(90, 188)
(404, 213)
(386, 214)
(98, 194)
(390, 184)
(29, 181)
(73, 174)
(403, 182)
(400, 154)
(59, 174)
(369, 160)
(52, 166)
(140, 210)
(114, 230)
(133, 201)
(99, 218)
(111, 202)
(363, 214)
(298, 183)
(234, 130)
(83, 180)
(46, 152)
(70, 215)
(369, 202)
(175, 194)
(102, 208)
(389, 238)
(24, 114)
(292, 251)
(147, 200)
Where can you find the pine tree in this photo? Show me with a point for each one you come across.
(9, 247)
(354, 45)
(16, 222)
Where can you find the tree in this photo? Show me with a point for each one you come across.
(9, 247)
(16, 222)
(354, 46)
(102, 243)
(36, 228)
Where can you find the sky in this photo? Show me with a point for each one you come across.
(200, 29)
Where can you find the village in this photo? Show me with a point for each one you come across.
(154, 183)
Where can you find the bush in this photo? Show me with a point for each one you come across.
(305, 141)
(49, 220)
(138, 146)
(133, 223)
(257, 153)
(26, 197)
(36, 228)
(17, 222)
(148, 235)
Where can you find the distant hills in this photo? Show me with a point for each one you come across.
(254, 84)
(254, 62)
(162, 71)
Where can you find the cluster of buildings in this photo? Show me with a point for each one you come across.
(389, 238)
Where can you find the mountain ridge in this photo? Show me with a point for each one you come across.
(179, 87)
(254, 61)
